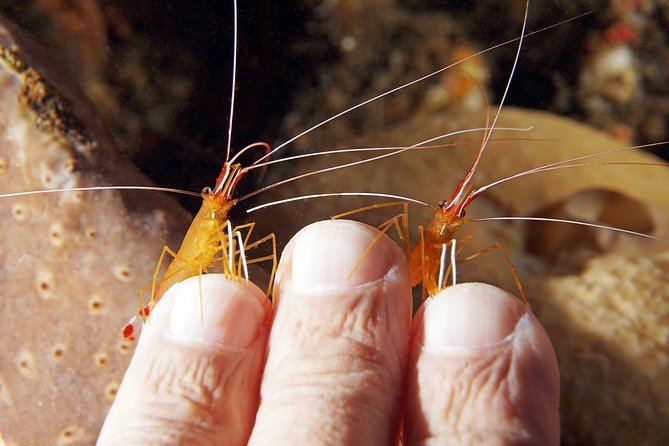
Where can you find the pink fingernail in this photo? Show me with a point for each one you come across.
(470, 315)
(230, 313)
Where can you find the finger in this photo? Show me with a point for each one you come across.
(482, 371)
(195, 375)
(339, 345)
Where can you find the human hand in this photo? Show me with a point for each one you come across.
(337, 361)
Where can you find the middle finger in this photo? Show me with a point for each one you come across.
(338, 346)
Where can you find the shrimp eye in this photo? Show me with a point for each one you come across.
(442, 204)
(207, 191)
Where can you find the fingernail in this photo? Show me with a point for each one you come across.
(470, 315)
(230, 314)
(326, 255)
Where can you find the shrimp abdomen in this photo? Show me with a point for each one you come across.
(202, 242)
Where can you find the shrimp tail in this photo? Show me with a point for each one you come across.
(132, 328)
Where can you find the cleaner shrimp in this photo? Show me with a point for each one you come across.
(428, 264)
(211, 233)
(68, 255)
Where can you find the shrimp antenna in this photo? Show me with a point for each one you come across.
(568, 163)
(415, 81)
(96, 188)
(355, 163)
(234, 81)
(573, 222)
(338, 194)
(463, 186)
(385, 149)
(503, 99)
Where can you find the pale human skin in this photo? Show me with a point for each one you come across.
(338, 361)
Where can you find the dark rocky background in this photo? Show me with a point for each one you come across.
(159, 71)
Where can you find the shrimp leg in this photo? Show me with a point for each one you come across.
(497, 246)
(383, 228)
(249, 227)
(130, 328)
(228, 258)
(154, 281)
(402, 229)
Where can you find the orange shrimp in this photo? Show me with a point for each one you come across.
(428, 255)
(210, 241)
(427, 259)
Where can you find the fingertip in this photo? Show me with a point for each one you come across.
(340, 254)
(339, 343)
(474, 348)
(195, 375)
(470, 315)
(216, 311)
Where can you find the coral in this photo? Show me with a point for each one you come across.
(71, 263)
(611, 74)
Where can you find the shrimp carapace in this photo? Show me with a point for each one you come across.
(425, 257)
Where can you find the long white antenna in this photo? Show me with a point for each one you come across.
(571, 222)
(470, 174)
(234, 82)
(571, 162)
(355, 163)
(408, 84)
(98, 188)
(422, 146)
(338, 194)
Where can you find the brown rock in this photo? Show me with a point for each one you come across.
(70, 263)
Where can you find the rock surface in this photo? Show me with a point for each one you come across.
(70, 263)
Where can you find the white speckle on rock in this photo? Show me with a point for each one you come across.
(122, 273)
(26, 364)
(56, 234)
(21, 212)
(44, 284)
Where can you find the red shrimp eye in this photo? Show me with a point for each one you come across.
(145, 312)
